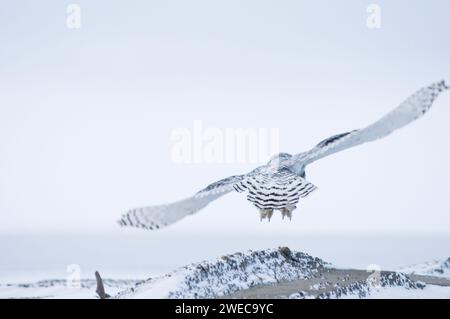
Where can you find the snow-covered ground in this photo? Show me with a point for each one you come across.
(229, 274)
(62, 289)
(429, 292)
(128, 254)
(438, 268)
(279, 273)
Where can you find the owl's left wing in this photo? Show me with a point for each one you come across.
(411, 109)
(155, 217)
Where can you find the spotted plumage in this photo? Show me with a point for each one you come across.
(281, 183)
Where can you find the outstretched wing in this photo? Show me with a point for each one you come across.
(155, 217)
(411, 109)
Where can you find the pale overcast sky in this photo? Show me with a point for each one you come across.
(86, 115)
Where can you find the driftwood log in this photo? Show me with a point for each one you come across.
(100, 288)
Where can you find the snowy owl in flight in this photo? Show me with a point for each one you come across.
(280, 183)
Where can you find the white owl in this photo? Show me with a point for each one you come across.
(280, 183)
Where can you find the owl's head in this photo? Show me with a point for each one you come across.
(278, 159)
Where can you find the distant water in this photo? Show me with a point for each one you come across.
(33, 257)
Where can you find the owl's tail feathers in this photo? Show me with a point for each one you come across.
(156, 217)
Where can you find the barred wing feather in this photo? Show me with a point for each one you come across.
(410, 110)
(155, 217)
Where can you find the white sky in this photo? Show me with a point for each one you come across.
(86, 115)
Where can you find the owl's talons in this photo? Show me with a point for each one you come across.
(287, 212)
(262, 214)
(269, 214)
(266, 213)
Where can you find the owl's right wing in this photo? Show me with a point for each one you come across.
(410, 110)
(156, 217)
